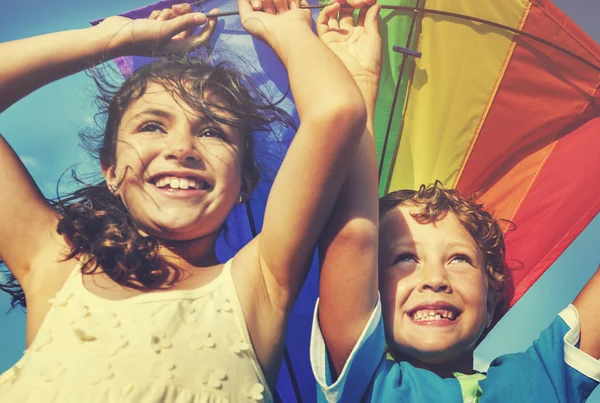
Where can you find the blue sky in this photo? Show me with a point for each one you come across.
(42, 128)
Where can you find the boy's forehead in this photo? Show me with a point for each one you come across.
(399, 225)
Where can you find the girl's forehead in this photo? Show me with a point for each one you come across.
(166, 97)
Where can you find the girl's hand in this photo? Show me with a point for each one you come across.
(263, 19)
(357, 45)
(165, 31)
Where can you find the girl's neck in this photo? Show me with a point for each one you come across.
(462, 364)
(191, 254)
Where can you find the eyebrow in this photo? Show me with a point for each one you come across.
(165, 114)
(405, 242)
(153, 112)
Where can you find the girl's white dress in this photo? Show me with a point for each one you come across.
(171, 346)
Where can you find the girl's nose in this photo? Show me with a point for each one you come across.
(182, 147)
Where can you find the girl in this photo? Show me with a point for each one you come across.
(155, 317)
(441, 276)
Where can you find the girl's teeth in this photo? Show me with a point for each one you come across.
(179, 183)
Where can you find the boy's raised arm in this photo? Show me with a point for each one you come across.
(588, 306)
(348, 246)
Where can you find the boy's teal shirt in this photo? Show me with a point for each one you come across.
(553, 369)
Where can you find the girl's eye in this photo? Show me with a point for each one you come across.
(460, 258)
(405, 257)
(151, 127)
(212, 133)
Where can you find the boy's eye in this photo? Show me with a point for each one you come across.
(405, 257)
(151, 127)
(461, 258)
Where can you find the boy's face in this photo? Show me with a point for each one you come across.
(433, 288)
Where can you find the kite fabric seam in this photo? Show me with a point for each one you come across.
(523, 283)
(405, 58)
(591, 97)
(493, 95)
(554, 143)
(568, 32)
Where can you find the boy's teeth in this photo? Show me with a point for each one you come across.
(437, 314)
(183, 183)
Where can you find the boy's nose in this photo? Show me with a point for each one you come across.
(434, 279)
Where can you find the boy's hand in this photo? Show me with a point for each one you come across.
(357, 45)
(265, 19)
(170, 30)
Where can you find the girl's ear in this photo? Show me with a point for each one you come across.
(249, 183)
(109, 175)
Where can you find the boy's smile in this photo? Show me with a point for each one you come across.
(433, 288)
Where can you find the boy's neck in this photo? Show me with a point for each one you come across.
(462, 364)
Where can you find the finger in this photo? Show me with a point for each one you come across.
(281, 6)
(357, 3)
(183, 23)
(257, 5)
(268, 6)
(346, 17)
(360, 22)
(181, 9)
(245, 9)
(208, 29)
(326, 19)
(294, 4)
(371, 21)
(165, 15)
(154, 14)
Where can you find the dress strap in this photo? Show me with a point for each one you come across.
(235, 303)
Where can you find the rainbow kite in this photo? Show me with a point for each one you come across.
(497, 98)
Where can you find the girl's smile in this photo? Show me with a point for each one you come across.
(179, 173)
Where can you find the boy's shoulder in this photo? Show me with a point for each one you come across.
(552, 369)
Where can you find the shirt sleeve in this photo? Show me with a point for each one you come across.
(553, 369)
(361, 366)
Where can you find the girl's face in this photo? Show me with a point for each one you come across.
(181, 172)
(433, 288)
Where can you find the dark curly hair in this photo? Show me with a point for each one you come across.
(435, 202)
(95, 222)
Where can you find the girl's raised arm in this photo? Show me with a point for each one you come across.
(348, 246)
(28, 64)
(332, 118)
(27, 222)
